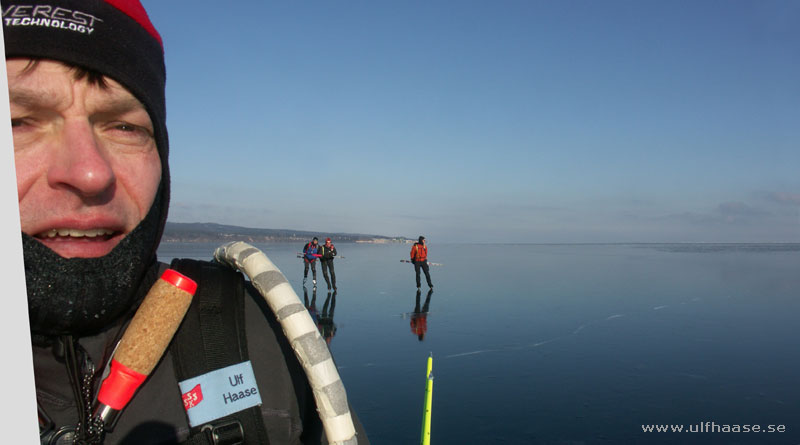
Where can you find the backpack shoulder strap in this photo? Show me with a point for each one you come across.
(212, 336)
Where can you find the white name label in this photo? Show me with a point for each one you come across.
(218, 393)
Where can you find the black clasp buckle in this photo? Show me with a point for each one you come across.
(228, 433)
(62, 436)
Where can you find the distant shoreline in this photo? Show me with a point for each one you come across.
(215, 233)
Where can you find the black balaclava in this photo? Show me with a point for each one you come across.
(115, 38)
(81, 296)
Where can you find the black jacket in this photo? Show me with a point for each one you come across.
(156, 415)
(327, 254)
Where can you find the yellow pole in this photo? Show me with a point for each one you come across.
(426, 414)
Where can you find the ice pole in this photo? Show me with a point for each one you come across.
(144, 342)
(426, 413)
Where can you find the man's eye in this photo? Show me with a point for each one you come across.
(129, 134)
(18, 122)
(131, 128)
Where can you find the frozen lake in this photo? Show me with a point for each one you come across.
(563, 344)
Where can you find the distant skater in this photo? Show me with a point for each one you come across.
(419, 256)
(310, 255)
(327, 252)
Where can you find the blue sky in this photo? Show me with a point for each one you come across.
(509, 121)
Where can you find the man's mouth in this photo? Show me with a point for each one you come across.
(76, 233)
(84, 243)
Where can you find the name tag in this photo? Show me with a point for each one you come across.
(218, 393)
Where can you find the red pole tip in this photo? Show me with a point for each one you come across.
(179, 280)
(120, 385)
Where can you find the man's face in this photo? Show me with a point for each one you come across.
(87, 165)
(314, 242)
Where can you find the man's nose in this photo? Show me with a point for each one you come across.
(80, 162)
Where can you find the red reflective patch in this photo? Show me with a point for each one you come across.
(193, 397)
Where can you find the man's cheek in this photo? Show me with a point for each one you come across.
(26, 176)
(141, 180)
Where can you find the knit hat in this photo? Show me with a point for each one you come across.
(421, 238)
(112, 37)
(327, 239)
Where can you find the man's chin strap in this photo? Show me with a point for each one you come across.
(80, 296)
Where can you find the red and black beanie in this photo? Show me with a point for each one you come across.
(112, 37)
